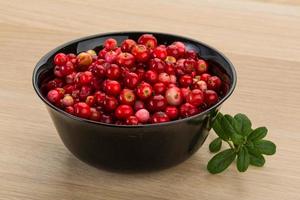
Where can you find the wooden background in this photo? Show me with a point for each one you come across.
(262, 38)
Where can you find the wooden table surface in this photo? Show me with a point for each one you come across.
(262, 38)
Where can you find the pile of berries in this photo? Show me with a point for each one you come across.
(135, 82)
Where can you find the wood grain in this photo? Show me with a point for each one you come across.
(262, 40)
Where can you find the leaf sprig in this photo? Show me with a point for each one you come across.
(246, 145)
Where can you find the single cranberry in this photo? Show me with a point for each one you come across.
(99, 71)
(173, 79)
(187, 110)
(110, 56)
(173, 51)
(53, 96)
(70, 110)
(107, 119)
(179, 67)
(127, 45)
(200, 85)
(189, 65)
(131, 80)
(132, 120)
(54, 84)
(140, 52)
(84, 92)
(69, 88)
(125, 59)
(174, 96)
(185, 80)
(164, 78)
(160, 52)
(95, 114)
(82, 110)
(61, 92)
(144, 91)
(138, 105)
(201, 66)
(110, 103)
(159, 88)
(180, 47)
(67, 100)
(100, 98)
(112, 87)
(214, 83)
(195, 97)
(90, 100)
(148, 40)
(142, 115)
(157, 65)
(169, 68)
(172, 112)
(60, 59)
(127, 97)
(84, 59)
(110, 44)
(69, 79)
(67, 69)
(185, 92)
(211, 97)
(191, 54)
(57, 71)
(159, 117)
(205, 77)
(151, 76)
(157, 103)
(123, 111)
(85, 78)
(113, 72)
(102, 53)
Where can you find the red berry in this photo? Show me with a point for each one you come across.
(151, 76)
(138, 105)
(181, 47)
(142, 115)
(172, 112)
(205, 77)
(191, 54)
(113, 72)
(99, 71)
(127, 45)
(214, 83)
(53, 96)
(85, 78)
(201, 66)
(179, 67)
(131, 80)
(160, 52)
(174, 96)
(84, 92)
(70, 110)
(211, 97)
(170, 60)
(148, 40)
(100, 98)
(110, 44)
(102, 53)
(164, 78)
(67, 101)
(127, 97)
(200, 85)
(110, 103)
(169, 68)
(185, 80)
(157, 103)
(90, 100)
(187, 110)
(132, 120)
(112, 87)
(140, 52)
(144, 91)
(157, 65)
(82, 110)
(95, 114)
(125, 59)
(189, 65)
(106, 119)
(69, 88)
(185, 92)
(195, 97)
(84, 59)
(159, 117)
(60, 59)
(173, 51)
(54, 84)
(159, 88)
(123, 111)
(110, 56)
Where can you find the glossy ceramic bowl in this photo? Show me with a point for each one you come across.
(142, 147)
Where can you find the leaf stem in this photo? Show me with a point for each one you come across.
(231, 146)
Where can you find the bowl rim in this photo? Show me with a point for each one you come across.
(43, 60)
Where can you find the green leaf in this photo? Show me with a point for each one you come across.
(257, 160)
(237, 139)
(265, 147)
(243, 124)
(243, 159)
(215, 145)
(228, 124)
(258, 134)
(217, 126)
(221, 161)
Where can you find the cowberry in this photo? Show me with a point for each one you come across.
(140, 52)
(159, 117)
(110, 44)
(144, 91)
(211, 97)
(172, 112)
(131, 80)
(125, 59)
(127, 45)
(214, 83)
(132, 120)
(123, 111)
(151, 76)
(157, 103)
(83, 110)
(195, 97)
(127, 97)
(113, 72)
(60, 59)
(159, 88)
(174, 96)
(142, 115)
(112, 87)
(148, 40)
(160, 52)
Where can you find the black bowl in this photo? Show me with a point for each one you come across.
(142, 147)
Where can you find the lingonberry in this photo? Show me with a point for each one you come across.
(100, 98)
(144, 91)
(190, 53)
(172, 112)
(157, 103)
(211, 97)
(148, 40)
(173, 51)
(95, 114)
(127, 97)
(214, 83)
(125, 59)
(174, 96)
(164, 78)
(70, 110)
(69, 88)
(67, 100)
(84, 59)
(54, 84)
(60, 59)
(200, 85)
(169, 69)
(112, 87)
(110, 44)
(138, 105)
(127, 45)
(131, 80)
(113, 72)
(110, 103)
(159, 117)
(85, 78)
(90, 100)
(185, 80)
(195, 97)
(151, 76)
(173, 79)
(102, 53)
(187, 110)
(69, 79)
(142, 115)
(170, 60)
(99, 70)
(157, 65)
(140, 52)
(110, 56)
(205, 77)
(132, 120)
(57, 71)
(123, 111)
(159, 88)
(53, 96)
(84, 92)
(83, 110)
(201, 66)
(189, 65)
(185, 92)
(180, 47)
(160, 52)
